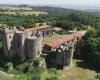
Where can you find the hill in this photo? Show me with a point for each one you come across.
(53, 10)
(25, 15)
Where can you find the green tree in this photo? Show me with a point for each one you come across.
(90, 50)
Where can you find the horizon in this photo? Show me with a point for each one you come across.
(56, 3)
(68, 6)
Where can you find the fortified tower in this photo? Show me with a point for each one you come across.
(7, 36)
(21, 43)
(33, 47)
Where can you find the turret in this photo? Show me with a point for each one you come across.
(33, 47)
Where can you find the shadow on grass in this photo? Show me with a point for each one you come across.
(86, 65)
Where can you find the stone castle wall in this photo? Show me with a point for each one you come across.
(7, 40)
(33, 47)
(15, 43)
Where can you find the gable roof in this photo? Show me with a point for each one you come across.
(67, 38)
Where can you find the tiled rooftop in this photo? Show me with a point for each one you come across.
(66, 38)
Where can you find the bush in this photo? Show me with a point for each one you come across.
(23, 67)
(52, 71)
(9, 67)
(53, 78)
(37, 61)
(35, 77)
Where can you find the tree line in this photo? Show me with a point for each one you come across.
(70, 21)
(90, 48)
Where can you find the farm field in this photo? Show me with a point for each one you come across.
(20, 11)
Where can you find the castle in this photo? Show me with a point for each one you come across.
(23, 43)
(27, 44)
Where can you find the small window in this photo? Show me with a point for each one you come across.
(77, 38)
(67, 41)
(72, 40)
(38, 52)
(9, 36)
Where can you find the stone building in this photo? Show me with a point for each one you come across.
(24, 43)
(63, 50)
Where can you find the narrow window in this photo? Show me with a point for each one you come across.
(9, 36)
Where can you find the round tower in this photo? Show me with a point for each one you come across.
(33, 47)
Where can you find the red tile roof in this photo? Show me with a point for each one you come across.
(67, 38)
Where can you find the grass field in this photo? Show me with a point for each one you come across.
(73, 73)
(76, 73)
(15, 8)
(21, 11)
(37, 13)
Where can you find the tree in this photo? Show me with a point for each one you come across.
(90, 50)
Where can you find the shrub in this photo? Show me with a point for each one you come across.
(52, 71)
(53, 78)
(9, 66)
(35, 77)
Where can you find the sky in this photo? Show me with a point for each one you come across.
(54, 2)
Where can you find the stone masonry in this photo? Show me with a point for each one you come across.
(23, 43)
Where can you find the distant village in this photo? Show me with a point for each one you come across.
(24, 44)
